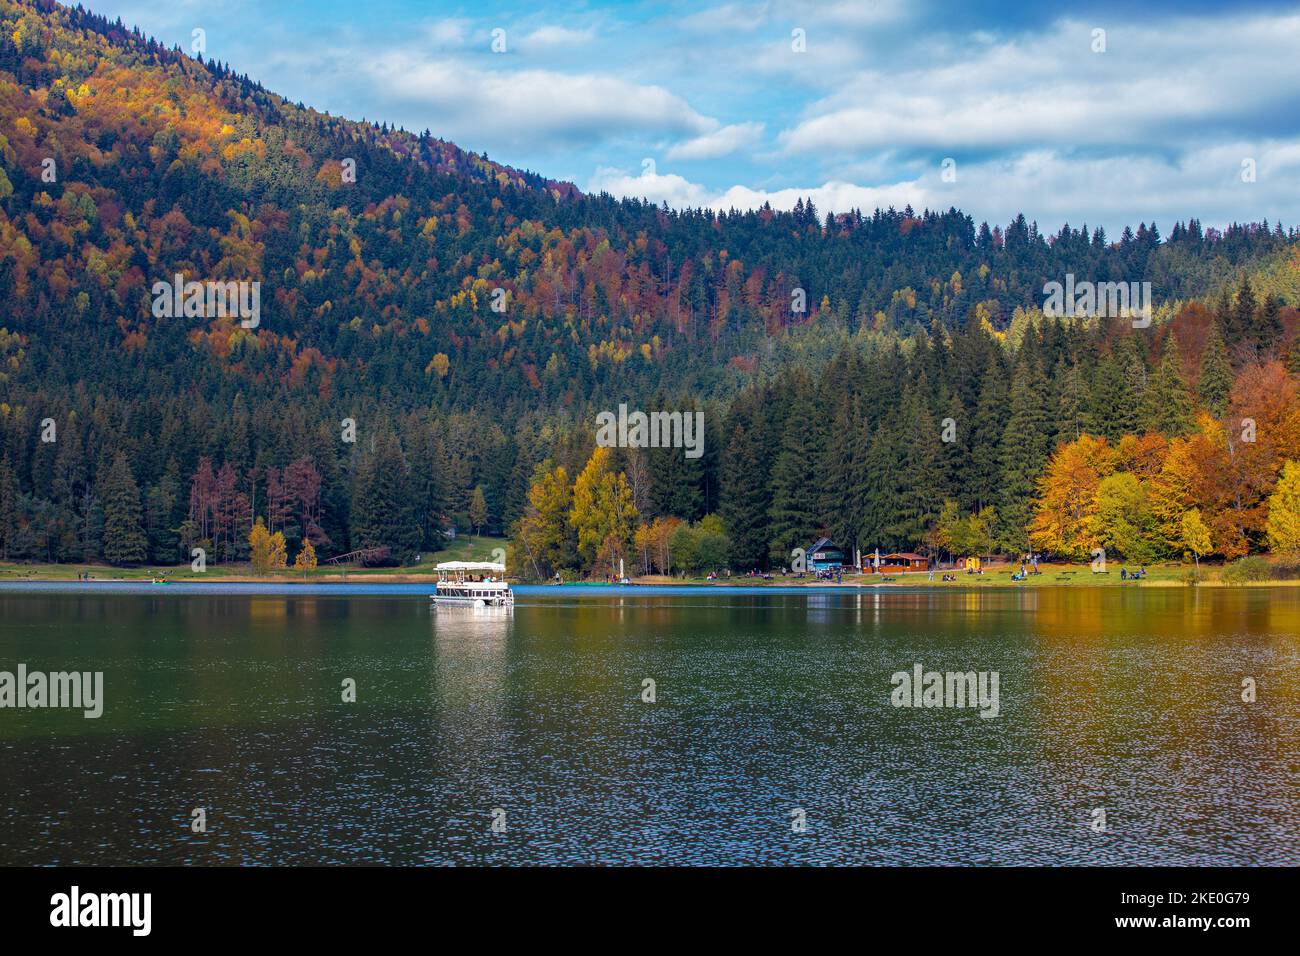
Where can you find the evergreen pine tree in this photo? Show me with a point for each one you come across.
(1241, 321)
(920, 489)
(1025, 446)
(1072, 402)
(1135, 384)
(521, 470)
(744, 498)
(880, 512)
(1267, 331)
(381, 514)
(1224, 317)
(1167, 404)
(954, 454)
(793, 513)
(427, 483)
(160, 505)
(1117, 389)
(981, 477)
(839, 459)
(9, 495)
(676, 482)
(124, 538)
(1215, 384)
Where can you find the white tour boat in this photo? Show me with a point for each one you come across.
(472, 584)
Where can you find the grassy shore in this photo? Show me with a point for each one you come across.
(1168, 575)
(1165, 575)
(464, 548)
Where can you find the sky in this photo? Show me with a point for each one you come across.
(1103, 113)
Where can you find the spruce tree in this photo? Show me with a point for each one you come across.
(1072, 401)
(880, 483)
(987, 428)
(1167, 404)
(920, 478)
(9, 495)
(1117, 388)
(124, 538)
(839, 459)
(381, 515)
(1215, 384)
(1267, 330)
(744, 502)
(954, 437)
(1025, 445)
(1224, 316)
(793, 512)
(676, 482)
(521, 469)
(1242, 315)
(160, 505)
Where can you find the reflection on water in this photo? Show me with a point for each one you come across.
(1124, 699)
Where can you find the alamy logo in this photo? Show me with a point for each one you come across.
(78, 690)
(655, 430)
(208, 300)
(103, 909)
(922, 688)
(1098, 299)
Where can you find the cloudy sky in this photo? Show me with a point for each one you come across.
(1032, 105)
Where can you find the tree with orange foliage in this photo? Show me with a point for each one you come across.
(1062, 520)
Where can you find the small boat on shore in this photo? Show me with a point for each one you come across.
(472, 584)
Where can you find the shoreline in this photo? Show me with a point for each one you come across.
(394, 584)
(240, 579)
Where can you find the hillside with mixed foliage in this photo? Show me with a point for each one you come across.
(469, 320)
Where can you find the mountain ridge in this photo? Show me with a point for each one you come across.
(468, 320)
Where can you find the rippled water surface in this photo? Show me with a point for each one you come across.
(767, 703)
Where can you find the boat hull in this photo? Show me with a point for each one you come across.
(493, 599)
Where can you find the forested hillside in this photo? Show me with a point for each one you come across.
(465, 321)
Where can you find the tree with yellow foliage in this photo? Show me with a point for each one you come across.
(1063, 516)
(306, 559)
(1122, 520)
(279, 558)
(1283, 522)
(1195, 535)
(543, 536)
(266, 551)
(603, 513)
(259, 547)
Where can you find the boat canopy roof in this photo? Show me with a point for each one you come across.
(470, 566)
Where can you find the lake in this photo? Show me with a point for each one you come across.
(527, 738)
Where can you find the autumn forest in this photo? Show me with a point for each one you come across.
(438, 333)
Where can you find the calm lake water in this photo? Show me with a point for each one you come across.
(767, 703)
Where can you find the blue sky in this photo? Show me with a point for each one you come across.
(711, 104)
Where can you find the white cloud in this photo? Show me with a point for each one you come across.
(1047, 185)
(680, 193)
(1115, 191)
(721, 142)
(829, 197)
(448, 33)
(852, 13)
(1050, 89)
(522, 106)
(556, 36)
(671, 188)
(730, 17)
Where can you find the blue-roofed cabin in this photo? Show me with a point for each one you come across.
(825, 556)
